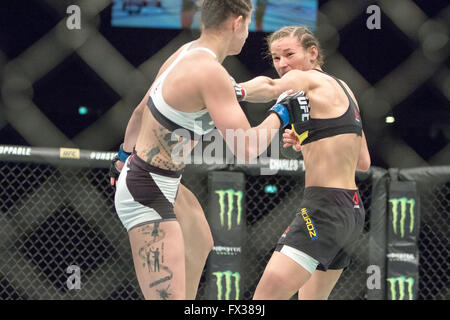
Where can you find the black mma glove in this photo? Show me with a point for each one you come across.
(291, 108)
(241, 93)
(113, 171)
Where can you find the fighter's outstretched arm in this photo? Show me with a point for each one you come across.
(219, 98)
(265, 89)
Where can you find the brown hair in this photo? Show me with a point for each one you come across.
(214, 12)
(305, 37)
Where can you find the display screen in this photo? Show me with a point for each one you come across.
(268, 15)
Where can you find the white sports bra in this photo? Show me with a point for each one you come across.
(196, 123)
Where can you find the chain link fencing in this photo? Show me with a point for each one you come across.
(121, 67)
(433, 185)
(433, 244)
(55, 216)
(268, 215)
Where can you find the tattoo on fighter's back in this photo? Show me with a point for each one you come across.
(164, 139)
(153, 152)
(168, 139)
(157, 155)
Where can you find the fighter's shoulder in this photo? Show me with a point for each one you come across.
(297, 80)
(298, 75)
(204, 60)
(349, 90)
(208, 69)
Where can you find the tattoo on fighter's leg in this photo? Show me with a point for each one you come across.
(155, 231)
(147, 250)
(164, 293)
(153, 256)
(147, 253)
(164, 279)
(144, 229)
(161, 265)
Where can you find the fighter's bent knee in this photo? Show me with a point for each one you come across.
(274, 280)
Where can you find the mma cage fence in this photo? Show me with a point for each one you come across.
(60, 237)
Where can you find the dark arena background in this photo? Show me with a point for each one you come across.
(68, 90)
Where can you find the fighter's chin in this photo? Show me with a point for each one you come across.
(234, 52)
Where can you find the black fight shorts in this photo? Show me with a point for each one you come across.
(145, 193)
(327, 226)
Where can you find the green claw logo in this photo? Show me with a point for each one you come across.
(227, 199)
(400, 212)
(227, 275)
(404, 285)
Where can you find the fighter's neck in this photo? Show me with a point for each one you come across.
(215, 43)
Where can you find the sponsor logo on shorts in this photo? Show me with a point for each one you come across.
(309, 224)
(285, 232)
(355, 201)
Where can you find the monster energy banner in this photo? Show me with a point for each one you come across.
(403, 233)
(226, 217)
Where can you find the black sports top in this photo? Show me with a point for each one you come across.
(316, 129)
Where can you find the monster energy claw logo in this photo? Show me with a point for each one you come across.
(230, 196)
(227, 275)
(402, 213)
(400, 282)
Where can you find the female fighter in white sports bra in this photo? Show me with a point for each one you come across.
(169, 235)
